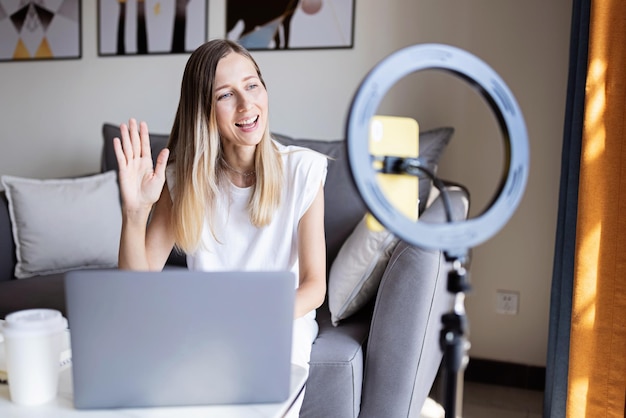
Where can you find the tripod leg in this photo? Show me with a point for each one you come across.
(451, 392)
(455, 360)
(454, 346)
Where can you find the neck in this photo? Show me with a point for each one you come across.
(240, 178)
(243, 173)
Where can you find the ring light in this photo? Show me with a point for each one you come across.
(445, 236)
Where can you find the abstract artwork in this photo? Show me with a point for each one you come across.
(138, 27)
(290, 24)
(39, 30)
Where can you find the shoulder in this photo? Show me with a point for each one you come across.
(303, 165)
(297, 155)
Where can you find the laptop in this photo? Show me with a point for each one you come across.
(178, 337)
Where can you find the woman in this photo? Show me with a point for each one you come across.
(235, 198)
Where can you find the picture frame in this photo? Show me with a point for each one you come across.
(291, 24)
(148, 27)
(40, 30)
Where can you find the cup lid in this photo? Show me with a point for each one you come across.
(34, 322)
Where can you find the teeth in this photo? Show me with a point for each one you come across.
(247, 121)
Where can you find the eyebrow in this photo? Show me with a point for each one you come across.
(228, 85)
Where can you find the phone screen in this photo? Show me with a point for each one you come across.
(398, 137)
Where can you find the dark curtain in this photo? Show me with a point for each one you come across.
(555, 395)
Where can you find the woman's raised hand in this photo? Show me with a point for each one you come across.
(141, 182)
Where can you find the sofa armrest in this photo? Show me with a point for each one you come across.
(333, 388)
(403, 352)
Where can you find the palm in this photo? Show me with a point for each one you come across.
(140, 181)
(139, 184)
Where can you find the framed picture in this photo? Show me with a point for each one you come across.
(290, 24)
(140, 27)
(39, 30)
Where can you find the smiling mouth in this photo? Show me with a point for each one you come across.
(248, 122)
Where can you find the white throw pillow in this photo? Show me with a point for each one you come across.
(64, 224)
(356, 272)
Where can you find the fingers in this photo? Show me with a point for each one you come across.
(161, 162)
(134, 142)
(127, 149)
(135, 139)
(145, 140)
(119, 153)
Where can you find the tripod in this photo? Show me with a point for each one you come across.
(452, 340)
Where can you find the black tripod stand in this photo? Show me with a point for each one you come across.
(452, 339)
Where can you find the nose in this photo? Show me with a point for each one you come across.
(244, 104)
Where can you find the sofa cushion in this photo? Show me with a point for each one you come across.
(355, 275)
(344, 205)
(64, 224)
(336, 367)
(432, 144)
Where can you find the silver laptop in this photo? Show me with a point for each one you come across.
(179, 337)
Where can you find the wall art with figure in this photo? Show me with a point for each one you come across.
(290, 24)
(39, 30)
(138, 27)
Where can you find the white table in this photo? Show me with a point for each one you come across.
(63, 405)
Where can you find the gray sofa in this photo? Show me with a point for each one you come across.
(380, 361)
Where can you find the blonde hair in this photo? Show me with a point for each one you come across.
(196, 148)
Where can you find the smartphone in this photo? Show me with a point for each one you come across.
(397, 137)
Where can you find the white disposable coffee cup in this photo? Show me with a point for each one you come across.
(33, 341)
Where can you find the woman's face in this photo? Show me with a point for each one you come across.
(241, 101)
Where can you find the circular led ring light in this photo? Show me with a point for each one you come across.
(444, 236)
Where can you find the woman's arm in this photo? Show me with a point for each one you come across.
(312, 258)
(142, 247)
(147, 247)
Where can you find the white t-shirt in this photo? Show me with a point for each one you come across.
(241, 245)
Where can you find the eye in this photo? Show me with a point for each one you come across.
(252, 86)
(224, 96)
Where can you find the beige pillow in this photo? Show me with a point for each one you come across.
(65, 224)
(356, 272)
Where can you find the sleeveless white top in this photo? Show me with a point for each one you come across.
(243, 246)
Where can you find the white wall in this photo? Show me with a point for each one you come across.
(527, 43)
(52, 112)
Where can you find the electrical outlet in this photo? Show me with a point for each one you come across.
(507, 302)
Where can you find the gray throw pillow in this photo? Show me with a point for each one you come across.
(64, 224)
(355, 275)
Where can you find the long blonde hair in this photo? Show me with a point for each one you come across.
(196, 148)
